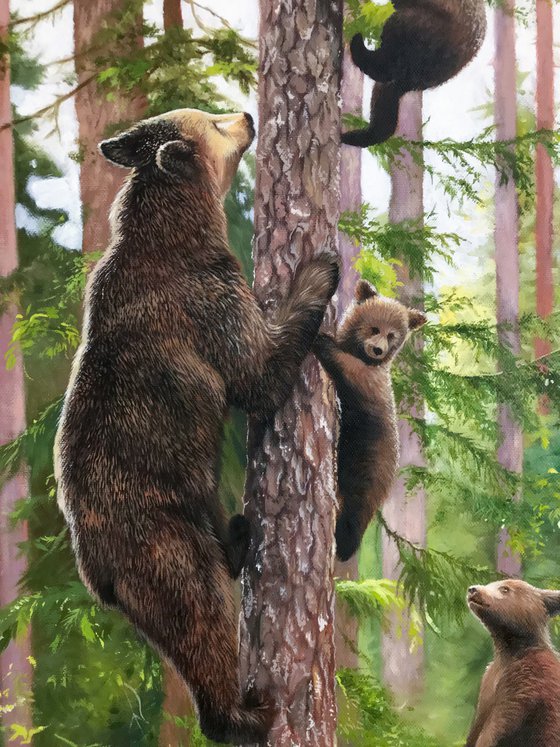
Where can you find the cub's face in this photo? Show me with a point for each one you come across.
(186, 144)
(376, 328)
(513, 606)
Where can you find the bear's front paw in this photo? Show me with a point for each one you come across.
(327, 266)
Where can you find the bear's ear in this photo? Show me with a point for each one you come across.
(363, 291)
(416, 319)
(126, 149)
(177, 158)
(551, 601)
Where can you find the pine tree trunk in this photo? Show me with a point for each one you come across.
(510, 451)
(98, 117)
(544, 171)
(172, 14)
(15, 669)
(287, 620)
(346, 636)
(403, 668)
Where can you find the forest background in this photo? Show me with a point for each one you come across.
(462, 224)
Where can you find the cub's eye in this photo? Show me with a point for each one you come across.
(375, 331)
(391, 336)
(505, 589)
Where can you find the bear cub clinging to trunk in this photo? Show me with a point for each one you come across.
(172, 337)
(371, 334)
(519, 701)
(423, 44)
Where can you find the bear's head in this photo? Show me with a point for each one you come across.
(375, 328)
(186, 144)
(513, 608)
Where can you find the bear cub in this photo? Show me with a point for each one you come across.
(519, 701)
(172, 337)
(359, 360)
(423, 44)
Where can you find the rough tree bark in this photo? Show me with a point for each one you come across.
(403, 668)
(544, 172)
(510, 450)
(172, 14)
(346, 635)
(15, 670)
(287, 625)
(99, 180)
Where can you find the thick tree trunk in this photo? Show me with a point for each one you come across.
(287, 625)
(403, 667)
(98, 117)
(346, 637)
(510, 451)
(15, 669)
(544, 171)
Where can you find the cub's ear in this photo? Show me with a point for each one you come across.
(177, 158)
(364, 290)
(416, 319)
(126, 149)
(551, 601)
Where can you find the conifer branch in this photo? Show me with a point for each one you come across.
(53, 105)
(39, 16)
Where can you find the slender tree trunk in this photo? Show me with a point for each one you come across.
(15, 669)
(172, 14)
(98, 117)
(403, 667)
(510, 451)
(177, 702)
(287, 625)
(346, 636)
(544, 171)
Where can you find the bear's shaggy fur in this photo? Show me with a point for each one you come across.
(519, 701)
(423, 44)
(173, 336)
(359, 362)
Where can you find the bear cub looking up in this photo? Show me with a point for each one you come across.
(423, 44)
(519, 701)
(359, 361)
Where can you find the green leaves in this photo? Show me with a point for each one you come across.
(367, 18)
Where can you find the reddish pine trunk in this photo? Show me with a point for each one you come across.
(98, 117)
(510, 451)
(403, 668)
(172, 14)
(15, 669)
(346, 636)
(287, 625)
(544, 171)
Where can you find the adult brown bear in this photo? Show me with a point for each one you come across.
(173, 336)
(519, 701)
(423, 44)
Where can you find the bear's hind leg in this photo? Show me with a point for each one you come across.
(176, 590)
(237, 543)
(384, 117)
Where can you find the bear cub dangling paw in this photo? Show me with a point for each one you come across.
(423, 44)
(359, 360)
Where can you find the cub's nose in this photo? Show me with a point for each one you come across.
(378, 351)
(472, 590)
